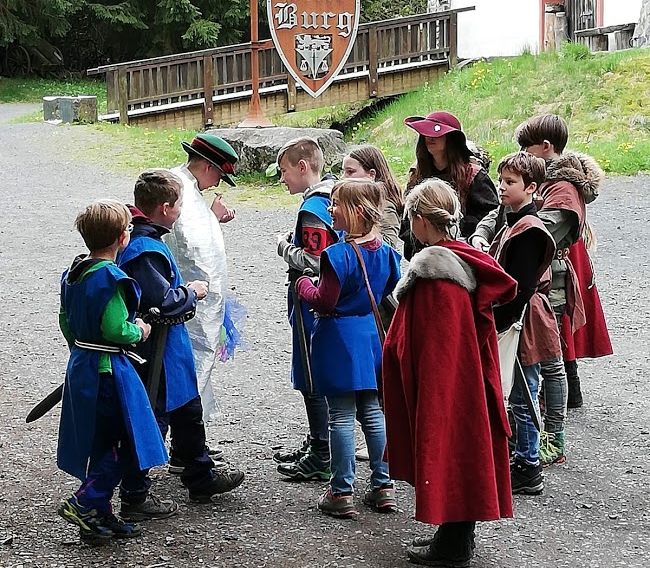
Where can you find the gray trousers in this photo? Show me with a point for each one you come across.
(555, 387)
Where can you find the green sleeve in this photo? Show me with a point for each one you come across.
(65, 327)
(115, 325)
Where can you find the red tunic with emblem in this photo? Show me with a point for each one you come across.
(446, 426)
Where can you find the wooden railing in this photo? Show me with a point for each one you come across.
(224, 72)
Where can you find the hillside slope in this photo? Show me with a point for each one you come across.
(604, 97)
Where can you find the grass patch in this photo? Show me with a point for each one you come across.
(604, 97)
(33, 89)
(133, 149)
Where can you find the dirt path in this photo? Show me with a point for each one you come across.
(593, 513)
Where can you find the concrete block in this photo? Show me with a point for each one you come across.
(81, 108)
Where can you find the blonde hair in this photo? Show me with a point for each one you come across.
(306, 149)
(102, 222)
(353, 193)
(437, 202)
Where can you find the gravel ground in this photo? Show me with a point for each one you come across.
(593, 513)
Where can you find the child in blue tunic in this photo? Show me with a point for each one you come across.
(150, 262)
(345, 343)
(107, 424)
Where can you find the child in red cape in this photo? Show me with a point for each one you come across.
(446, 425)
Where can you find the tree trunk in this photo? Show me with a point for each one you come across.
(642, 31)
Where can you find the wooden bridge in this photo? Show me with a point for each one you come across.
(389, 57)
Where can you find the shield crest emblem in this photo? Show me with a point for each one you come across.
(314, 38)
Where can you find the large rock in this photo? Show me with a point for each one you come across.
(258, 147)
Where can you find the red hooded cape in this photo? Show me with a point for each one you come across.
(445, 420)
(592, 339)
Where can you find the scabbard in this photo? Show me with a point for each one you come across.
(303, 341)
(155, 367)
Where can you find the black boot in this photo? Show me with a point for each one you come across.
(574, 400)
(452, 545)
(313, 466)
(293, 456)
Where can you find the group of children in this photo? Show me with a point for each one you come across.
(427, 393)
(131, 376)
(480, 260)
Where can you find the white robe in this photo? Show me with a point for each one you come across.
(197, 244)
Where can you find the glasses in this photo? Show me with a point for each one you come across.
(129, 228)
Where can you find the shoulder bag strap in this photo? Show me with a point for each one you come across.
(373, 303)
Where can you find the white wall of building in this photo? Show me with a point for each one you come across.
(498, 27)
(507, 27)
(621, 12)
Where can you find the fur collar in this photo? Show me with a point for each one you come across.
(580, 170)
(436, 263)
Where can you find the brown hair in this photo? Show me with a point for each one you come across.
(368, 195)
(371, 158)
(460, 168)
(155, 187)
(306, 149)
(437, 202)
(549, 127)
(529, 167)
(102, 222)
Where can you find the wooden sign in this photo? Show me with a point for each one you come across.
(314, 38)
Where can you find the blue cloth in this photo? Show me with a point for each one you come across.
(317, 205)
(345, 348)
(84, 302)
(178, 372)
(526, 435)
(342, 410)
(111, 455)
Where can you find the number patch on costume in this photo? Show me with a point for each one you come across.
(314, 240)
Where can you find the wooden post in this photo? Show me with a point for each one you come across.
(373, 62)
(623, 39)
(123, 96)
(255, 117)
(453, 40)
(292, 93)
(208, 88)
(599, 42)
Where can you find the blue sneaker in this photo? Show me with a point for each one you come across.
(91, 528)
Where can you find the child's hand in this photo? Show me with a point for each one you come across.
(284, 237)
(221, 211)
(145, 327)
(479, 243)
(200, 287)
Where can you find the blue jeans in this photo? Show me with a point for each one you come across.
(526, 436)
(555, 387)
(342, 410)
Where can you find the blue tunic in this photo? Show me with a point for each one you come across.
(346, 350)
(84, 303)
(317, 205)
(179, 372)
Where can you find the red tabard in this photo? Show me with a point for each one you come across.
(591, 340)
(445, 421)
(540, 338)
